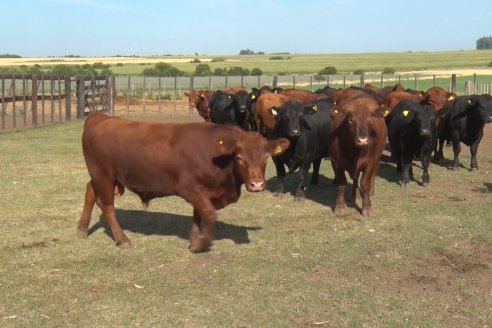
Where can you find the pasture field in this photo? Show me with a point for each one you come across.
(423, 259)
(289, 64)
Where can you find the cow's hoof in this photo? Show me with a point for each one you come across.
(425, 184)
(474, 169)
(278, 194)
(366, 211)
(339, 209)
(403, 183)
(198, 245)
(124, 243)
(455, 168)
(82, 234)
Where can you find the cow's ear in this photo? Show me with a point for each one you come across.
(381, 112)
(311, 109)
(186, 94)
(278, 146)
(451, 96)
(273, 111)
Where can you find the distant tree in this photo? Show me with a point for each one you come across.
(328, 70)
(237, 71)
(484, 42)
(246, 52)
(218, 59)
(490, 64)
(10, 56)
(202, 70)
(256, 71)
(358, 71)
(162, 69)
(196, 61)
(388, 70)
(220, 71)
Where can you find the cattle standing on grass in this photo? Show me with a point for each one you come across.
(205, 164)
(463, 120)
(355, 144)
(307, 127)
(412, 132)
(232, 109)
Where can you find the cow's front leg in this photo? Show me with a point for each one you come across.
(473, 152)
(365, 183)
(455, 141)
(341, 182)
(280, 168)
(201, 241)
(300, 194)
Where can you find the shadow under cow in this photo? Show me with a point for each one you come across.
(166, 224)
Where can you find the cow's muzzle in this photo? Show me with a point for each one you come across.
(255, 185)
(424, 132)
(362, 141)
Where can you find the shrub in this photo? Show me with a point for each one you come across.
(388, 70)
(195, 61)
(202, 70)
(490, 64)
(256, 71)
(276, 58)
(220, 72)
(358, 71)
(328, 70)
(219, 59)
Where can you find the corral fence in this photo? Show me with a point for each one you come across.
(35, 100)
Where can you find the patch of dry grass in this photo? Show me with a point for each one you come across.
(422, 259)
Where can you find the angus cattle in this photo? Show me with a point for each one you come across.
(205, 164)
(384, 91)
(307, 127)
(343, 96)
(355, 144)
(437, 97)
(231, 109)
(200, 99)
(265, 121)
(412, 132)
(326, 90)
(303, 96)
(463, 120)
(394, 98)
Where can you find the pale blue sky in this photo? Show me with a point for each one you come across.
(110, 27)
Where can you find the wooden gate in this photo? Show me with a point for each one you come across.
(95, 93)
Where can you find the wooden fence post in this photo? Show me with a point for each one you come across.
(112, 93)
(275, 81)
(34, 100)
(293, 81)
(362, 80)
(68, 98)
(80, 97)
(3, 102)
(453, 83)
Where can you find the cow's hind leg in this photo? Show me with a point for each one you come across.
(85, 217)
(105, 192)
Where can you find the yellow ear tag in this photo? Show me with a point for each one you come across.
(253, 96)
(277, 150)
(386, 113)
(335, 111)
(202, 95)
(220, 142)
(405, 113)
(469, 101)
(315, 108)
(450, 97)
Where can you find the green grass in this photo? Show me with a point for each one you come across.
(423, 259)
(344, 63)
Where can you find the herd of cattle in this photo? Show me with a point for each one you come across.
(207, 163)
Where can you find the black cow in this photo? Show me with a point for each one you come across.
(463, 120)
(412, 132)
(231, 109)
(307, 128)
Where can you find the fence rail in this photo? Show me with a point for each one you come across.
(33, 100)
